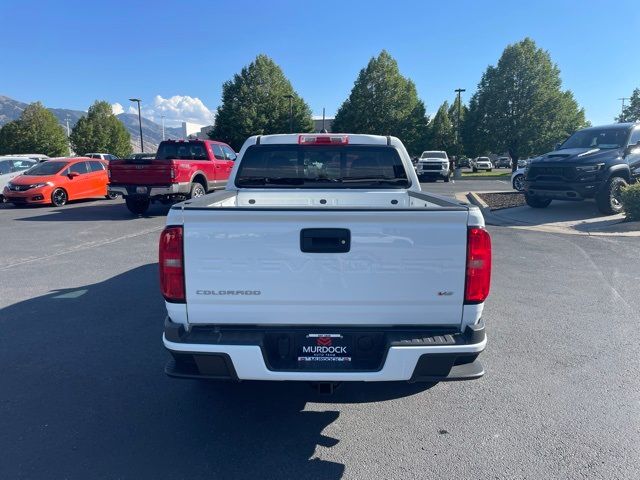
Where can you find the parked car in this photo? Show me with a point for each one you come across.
(11, 167)
(517, 179)
(463, 162)
(59, 180)
(33, 156)
(266, 280)
(181, 169)
(481, 163)
(503, 162)
(595, 162)
(433, 165)
(107, 157)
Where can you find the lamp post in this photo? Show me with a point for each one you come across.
(137, 100)
(458, 91)
(162, 116)
(290, 97)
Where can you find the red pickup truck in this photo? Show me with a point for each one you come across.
(182, 169)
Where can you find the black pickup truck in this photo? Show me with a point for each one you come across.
(594, 162)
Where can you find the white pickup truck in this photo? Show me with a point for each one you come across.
(323, 261)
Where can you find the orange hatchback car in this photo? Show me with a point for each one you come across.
(59, 180)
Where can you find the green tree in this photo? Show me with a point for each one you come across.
(100, 131)
(631, 112)
(383, 102)
(255, 103)
(442, 130)
(520, 106)
(36, 131)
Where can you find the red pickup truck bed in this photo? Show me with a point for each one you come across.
(182, 169)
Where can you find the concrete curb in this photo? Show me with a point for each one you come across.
(624, 229)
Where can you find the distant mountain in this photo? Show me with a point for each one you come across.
(11, 109)
(151, 132)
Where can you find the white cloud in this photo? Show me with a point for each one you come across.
(176, 109)
(117, 108)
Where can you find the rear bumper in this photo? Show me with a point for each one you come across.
(150, 190)
(236, 353)
(562, 190)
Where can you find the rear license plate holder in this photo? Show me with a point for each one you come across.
(325, 351)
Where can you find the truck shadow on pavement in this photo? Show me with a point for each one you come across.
(77, 212)
(85, 396)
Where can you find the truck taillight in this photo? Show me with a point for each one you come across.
(172, 265)
(108, 173)
(323, 139)
(478, 278)
(173, 172)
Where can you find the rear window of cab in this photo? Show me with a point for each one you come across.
(313, 166)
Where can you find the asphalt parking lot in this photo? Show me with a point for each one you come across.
(84, 394)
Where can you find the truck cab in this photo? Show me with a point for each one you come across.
(181, 169)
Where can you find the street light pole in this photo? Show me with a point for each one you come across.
(162, 127)
(137, 100)
(622, 110)
(290, 97)
(458, 91)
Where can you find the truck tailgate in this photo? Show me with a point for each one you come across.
(247, 267)
(141, 172)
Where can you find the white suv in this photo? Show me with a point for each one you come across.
(482, 163)
(102, 156)
(433, 164)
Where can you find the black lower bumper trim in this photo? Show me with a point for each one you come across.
(447, 367)
(214, 366)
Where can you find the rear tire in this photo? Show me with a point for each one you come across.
(475, 170)
(59, 197)
(446, 179)
(197, 190)
(137, 206)
(489, 170)
(535, 202)
(608, 198)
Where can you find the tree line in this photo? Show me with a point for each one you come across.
(38, 131)
(519, 107)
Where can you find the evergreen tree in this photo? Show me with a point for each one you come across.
(383, 102)
(256, 102)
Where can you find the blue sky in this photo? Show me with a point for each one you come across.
(175, 55)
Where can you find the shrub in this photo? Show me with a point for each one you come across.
(631, 201)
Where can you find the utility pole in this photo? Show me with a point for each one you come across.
(622, 110)
(290, 97)
(323, 129)
(162, 116)
(459, 92)
(137, 100)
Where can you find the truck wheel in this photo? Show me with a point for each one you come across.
(488, 170)
(475, 170)
(536, 202)
(59, 197)
(197, 190)
(608, 198)
(137, 206)
(446, 179)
